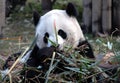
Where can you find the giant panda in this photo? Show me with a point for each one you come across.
(60, 27)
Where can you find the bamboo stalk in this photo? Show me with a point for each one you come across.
(28, 48)
(10, 77)
(53, 56)
(17, 60)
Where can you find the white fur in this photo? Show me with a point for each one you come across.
(4, 72)
(62, 21)
(26, 57)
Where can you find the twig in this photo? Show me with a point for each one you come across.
(46, 81)
(10, 77)
(28, 48)
(55, 31)
(13, 38)
(19, 41)
(17, 61)
(103, 73)
(99, 73)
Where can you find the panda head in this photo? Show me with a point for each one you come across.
(59, 26)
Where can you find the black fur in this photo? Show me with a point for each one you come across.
(36, 17)
(71, 10)
(45, 38)
(42, 54)
(41, 57)
(36, 59)
(62, 34)
(86, 49)
(34, 51)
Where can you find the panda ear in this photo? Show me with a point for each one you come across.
(71, 10)
(36, 17)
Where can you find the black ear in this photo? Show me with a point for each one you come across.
(36, 17)
(71, 10)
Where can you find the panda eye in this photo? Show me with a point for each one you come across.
(45, 37)
(62, 34)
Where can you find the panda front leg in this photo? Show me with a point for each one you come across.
(85, 49)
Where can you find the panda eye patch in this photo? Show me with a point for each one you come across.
(62, 34)
(45, 37)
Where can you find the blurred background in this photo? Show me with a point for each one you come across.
(99, 17)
